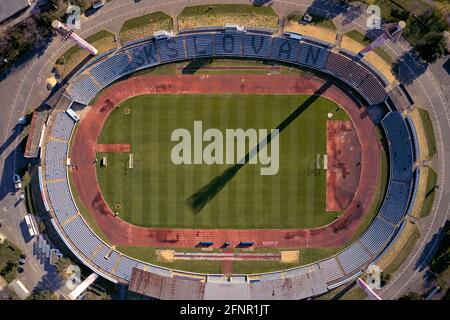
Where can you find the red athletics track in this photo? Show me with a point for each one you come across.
(119, 232)
(113, 148)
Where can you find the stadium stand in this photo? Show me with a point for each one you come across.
(228, 44)
(171, 49)
(377, 235)
(400, 146)
(55, 158)
(286, 50)
(257, 46)
(396, 201)
(353, 258)
(84, 89)
(142, 56)
(330, 269)
(201, 45)
(61, 201)
(63, 125)
(111, 69)
(313, 56)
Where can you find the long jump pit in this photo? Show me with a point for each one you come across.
(122, 233)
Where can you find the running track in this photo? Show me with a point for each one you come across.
(119, 232)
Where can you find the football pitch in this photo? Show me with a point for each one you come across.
(155, 192)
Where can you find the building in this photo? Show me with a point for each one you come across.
(10, 8)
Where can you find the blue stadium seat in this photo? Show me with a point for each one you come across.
(201, 45)
(286, 50)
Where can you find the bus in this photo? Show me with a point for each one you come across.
(31, 225)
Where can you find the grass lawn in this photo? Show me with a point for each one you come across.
(410, 235)
(149, 255)
(221, 14)
(103, 41)
(361, 38)
(154, 193)
(429, 193)
(323, 23)
(145, 26)
(307, 255)
(428, 130)
(9, 260)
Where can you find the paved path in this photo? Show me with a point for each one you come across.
(24, 89)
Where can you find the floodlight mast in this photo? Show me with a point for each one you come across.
(66, 33)
(390, 32)
(368, 290)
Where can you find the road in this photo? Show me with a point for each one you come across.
(24, 88)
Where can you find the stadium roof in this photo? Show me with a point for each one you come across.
(9, 8)
(166, 288)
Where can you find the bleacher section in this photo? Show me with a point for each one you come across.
(286, 50)
(84, 89)
(55, 160)
(229, 44)
(142, 56)
(396, 201)
(201, 45)
(313, 56)
(330, 269)
(63, 126)
(257, 46)
(357, 77)
(377, 235)
(353, 258)
(61, 200)
(218, 42)
(171, 49)
(400, 146)
(111, 69)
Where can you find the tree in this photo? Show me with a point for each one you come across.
(43, 294)
(385, 278)
(62, 265)
(431, 47)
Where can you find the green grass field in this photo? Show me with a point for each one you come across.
(154, 192)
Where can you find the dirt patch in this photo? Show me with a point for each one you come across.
(165, 255)
(344, 164)
(312, 31)
(290, 256)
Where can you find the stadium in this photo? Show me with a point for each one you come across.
(344, 189)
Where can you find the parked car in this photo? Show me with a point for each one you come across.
(306, 19)
(98, 3)
(17, 181)
(23, 120)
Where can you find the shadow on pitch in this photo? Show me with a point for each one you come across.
(205, 194)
